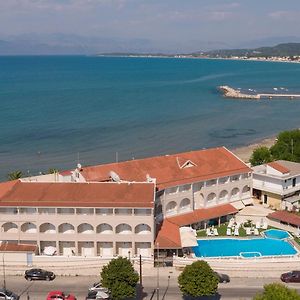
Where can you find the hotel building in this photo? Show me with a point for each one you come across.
(125, 208)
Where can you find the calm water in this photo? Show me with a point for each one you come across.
(248, 248)
(53, 108)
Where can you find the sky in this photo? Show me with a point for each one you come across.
(164, 23)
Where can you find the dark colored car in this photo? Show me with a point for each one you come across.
(293, 276)
(8, 295)
(223, 278)
(39, 274)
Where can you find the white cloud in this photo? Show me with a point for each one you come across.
(284, 15)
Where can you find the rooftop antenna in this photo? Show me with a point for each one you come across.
(117, 156)
(114, 176)
(77, 158)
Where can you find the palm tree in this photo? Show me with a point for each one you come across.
(52, 171)
(14, 175)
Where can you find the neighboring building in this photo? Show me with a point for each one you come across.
(85, 219)
(277, 184)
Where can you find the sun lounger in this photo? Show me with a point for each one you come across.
(228, 231)
(216, 231)
(236, 231)
(257, 224)
(208, 232)
(256, 232)
(248, 231)
(265, 226)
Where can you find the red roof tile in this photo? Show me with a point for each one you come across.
(10, 247)
(7, 186)
(168, 236)
(275, 165)
(167, 169)
(286, 217)
(203, 214)
(78, 194)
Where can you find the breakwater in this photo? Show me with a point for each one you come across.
(230, 92)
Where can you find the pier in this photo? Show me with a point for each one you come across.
(230, 92)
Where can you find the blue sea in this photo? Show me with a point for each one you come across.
(57, 110)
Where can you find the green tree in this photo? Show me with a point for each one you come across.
(120, 278)
(14, 175)
(260, 155)
(198, 279)
(52, 171)
(277, 291)
(287, 146)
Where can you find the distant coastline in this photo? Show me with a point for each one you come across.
(183, 56)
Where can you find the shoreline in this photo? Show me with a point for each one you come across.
(271, 60)
(244, 152)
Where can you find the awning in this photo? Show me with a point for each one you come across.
(248, 201)
(188, 237)
(238, 204)
(292, 199)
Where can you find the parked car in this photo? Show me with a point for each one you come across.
(8, 295)
(223, 278)
(293, 276)
(59, 295)
(98, 287)
(39, 274)
(97, 295)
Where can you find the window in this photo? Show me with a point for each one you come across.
(294, 182)
(265, 199)
(184, 188)
(172, 190)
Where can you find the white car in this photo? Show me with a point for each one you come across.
(97, 287)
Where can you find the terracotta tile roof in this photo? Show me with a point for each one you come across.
(10, 247)
(168, 235)
(277, 166)
(285, 216)
(203, 214)
(167, 169)
(78, 194)
(65, 172)
(7, 186)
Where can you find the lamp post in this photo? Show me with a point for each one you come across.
(129, 255)
(3, 266)
(157, 278)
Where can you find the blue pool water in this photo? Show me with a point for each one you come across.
(246, 248)
(276, 234)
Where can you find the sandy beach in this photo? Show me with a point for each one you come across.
(244, 153)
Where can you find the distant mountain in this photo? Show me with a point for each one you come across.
(286, 49)
(64, 44)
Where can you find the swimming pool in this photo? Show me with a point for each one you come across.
(245, 248)
(276, 234)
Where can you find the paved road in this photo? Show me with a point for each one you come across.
(237, 289)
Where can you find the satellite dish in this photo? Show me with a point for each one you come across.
(79, 166)
(114, 176)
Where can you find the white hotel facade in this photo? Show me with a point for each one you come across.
(120, 208)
